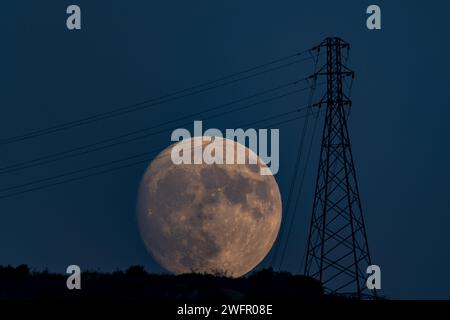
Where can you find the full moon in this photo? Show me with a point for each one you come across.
(208, 218)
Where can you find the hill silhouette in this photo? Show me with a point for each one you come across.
(20, 283)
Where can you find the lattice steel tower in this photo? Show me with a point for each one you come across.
(337, 250)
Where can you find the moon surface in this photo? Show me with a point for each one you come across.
(208, 218)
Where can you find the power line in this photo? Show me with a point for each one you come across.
(8, 195)
(303, 173)
(5, 169)
(294, 176)
(136, 155)
(300, 190)
(291, 189)
(207, 86)
(93, 147)
(98, 166)
(74, 179)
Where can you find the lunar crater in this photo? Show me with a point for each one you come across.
(208, 218)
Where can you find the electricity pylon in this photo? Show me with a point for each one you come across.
(337, 250)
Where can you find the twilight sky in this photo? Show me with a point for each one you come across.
(130, 51)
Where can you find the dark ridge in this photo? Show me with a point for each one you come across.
(20, 283)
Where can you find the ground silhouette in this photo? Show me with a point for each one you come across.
(20, 283)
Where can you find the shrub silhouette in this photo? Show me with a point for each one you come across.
(135, 283)
(136, 271)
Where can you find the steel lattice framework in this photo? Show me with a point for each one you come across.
(337, 249)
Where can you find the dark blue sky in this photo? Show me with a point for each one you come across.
(129, 51)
